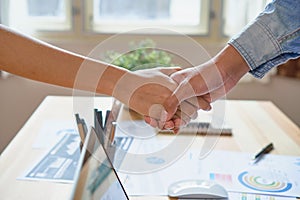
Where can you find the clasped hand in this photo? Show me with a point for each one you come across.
(170, 97)
(196, 88)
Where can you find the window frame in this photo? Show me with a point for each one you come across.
(79, 14)
(39, 24)
(202, 29)
(228, 33)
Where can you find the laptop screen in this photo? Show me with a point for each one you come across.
(97, 178)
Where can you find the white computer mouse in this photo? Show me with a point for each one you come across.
(197, 189)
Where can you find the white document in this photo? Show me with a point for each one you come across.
(59, 163)
(52, 131)
(245, 196)
(273, 175)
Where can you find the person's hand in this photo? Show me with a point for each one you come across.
(146, 91)
(186, 111)
(197, 88)
(204, 84)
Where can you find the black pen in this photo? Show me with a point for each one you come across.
(263, 151)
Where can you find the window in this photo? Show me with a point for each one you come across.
(190, 17)
(43, 15)
(215, 20)
(210, 23)
(237, 14)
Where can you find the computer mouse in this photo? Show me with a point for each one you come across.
(197, 189)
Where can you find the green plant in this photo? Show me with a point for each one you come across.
(142, 55)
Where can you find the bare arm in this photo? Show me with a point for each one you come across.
(30, 58)
(144, 91)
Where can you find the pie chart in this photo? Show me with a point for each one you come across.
(264, 181)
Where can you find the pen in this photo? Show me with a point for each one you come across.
(112, 132)
(80, 128)
(263, 151)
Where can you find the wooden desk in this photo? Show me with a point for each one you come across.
(255, 123)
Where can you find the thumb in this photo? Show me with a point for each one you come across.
(178, 77)
(171, 102)
(184, 88)
(170, 70)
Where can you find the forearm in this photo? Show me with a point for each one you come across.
(36, 60)
(231, 66)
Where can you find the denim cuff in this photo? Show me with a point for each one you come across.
(257, 45)
(272, 38)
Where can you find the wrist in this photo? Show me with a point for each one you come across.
(231, 64)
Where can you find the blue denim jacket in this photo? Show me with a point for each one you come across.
(272, 38)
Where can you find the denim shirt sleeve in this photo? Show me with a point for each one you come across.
(272, 38)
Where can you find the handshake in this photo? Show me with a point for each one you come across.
(170, 97)
(167, 97)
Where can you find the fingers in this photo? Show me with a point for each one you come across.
(189, 106)
(187, 90)
(179, 77)
(170, 70)
(199, 102)
(184, 119)
(168, 125)
(151, 121)
(187, 111)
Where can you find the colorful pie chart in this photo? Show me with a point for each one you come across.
(264, 181)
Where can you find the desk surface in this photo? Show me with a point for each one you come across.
(254, 123)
